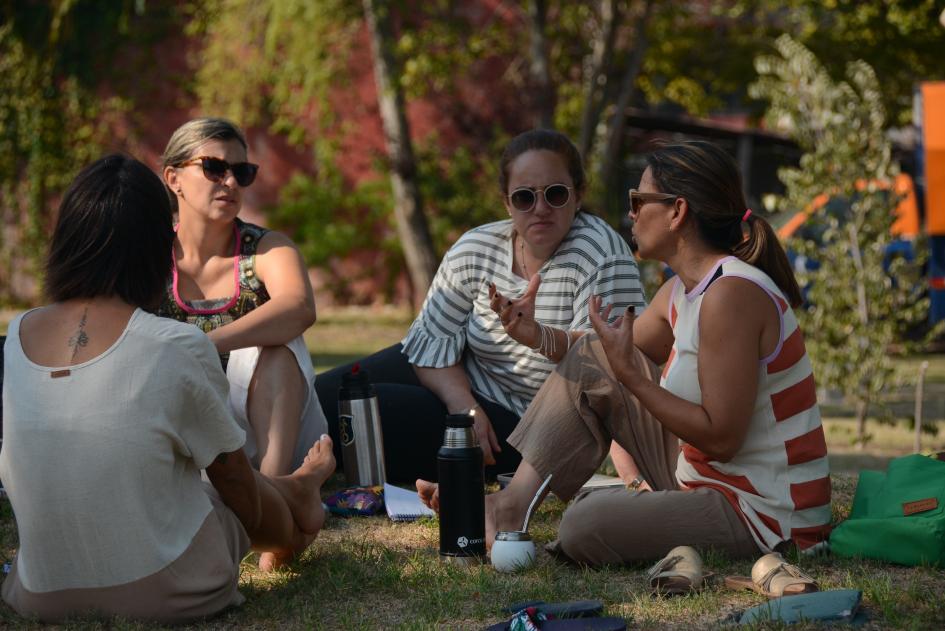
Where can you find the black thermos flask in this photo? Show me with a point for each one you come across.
(462, 493)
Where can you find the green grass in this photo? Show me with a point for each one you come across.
(342, 336)
(370, 573)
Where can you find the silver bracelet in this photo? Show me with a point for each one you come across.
(548, 344)
(540, 338)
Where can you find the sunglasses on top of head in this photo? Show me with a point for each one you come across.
(524, 199)
(214, 169)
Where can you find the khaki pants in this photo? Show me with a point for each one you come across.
(201, 582)
(567, 431)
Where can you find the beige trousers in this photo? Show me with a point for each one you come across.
(567, 431)
(201, 582)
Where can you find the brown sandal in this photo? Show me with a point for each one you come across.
(774, 577)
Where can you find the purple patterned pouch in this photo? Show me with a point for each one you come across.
(357, 500)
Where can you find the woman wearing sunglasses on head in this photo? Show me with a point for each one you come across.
(725, 449)
(247, 288)
(508, 301)
(110, 413)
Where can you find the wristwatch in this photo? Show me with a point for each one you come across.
(635, 483)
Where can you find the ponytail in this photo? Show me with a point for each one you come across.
(762, 249)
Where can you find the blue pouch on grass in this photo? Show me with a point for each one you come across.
(357, 501)
(839, 605)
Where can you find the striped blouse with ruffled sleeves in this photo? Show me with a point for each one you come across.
(456, 323)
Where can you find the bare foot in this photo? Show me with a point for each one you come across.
(504, 511)
(429, 493)
(305, 483)
(269, 561)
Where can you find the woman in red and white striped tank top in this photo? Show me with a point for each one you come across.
(737, 386)
(725, 449)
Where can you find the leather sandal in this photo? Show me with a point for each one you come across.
(679, 572)
(774, 577)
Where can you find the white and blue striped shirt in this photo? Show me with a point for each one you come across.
(457, 323)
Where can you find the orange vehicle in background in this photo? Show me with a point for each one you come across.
(906, 225)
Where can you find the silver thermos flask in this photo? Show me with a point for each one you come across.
(359, 427)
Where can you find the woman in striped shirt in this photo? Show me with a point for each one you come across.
(543, 262)
(726, 448)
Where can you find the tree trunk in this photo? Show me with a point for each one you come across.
(540, 68)
(862, 405)
(628, 86)
(408, 206)
(862, 307)
(602, 54)
(919, 396)
(864, 317)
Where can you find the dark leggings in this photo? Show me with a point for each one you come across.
(412, 418)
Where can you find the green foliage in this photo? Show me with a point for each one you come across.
(902, 40)
(438, 44)
(329, 218)
(571, 28)
(278, 63)
(701, 53)
(461, 189)
(857, 310)
(52, 120)
(275, 63)
(699, 60)
(326, 218)
(272, 62)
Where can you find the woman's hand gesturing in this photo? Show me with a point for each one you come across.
(617, 338)
(518, 315)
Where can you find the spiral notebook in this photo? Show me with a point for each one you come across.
(404, 505)
(601, 481)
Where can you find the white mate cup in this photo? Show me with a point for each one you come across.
(512, 551)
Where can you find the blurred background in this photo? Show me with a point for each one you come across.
(82, 77)
(378, 126)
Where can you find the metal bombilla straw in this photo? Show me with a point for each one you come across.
(531, 507)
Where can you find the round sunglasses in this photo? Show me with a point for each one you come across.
(214, 169)
(524, 199)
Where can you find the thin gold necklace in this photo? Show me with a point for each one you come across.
(521, 243)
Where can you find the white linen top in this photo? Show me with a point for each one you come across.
(102, 459)
(457, 323)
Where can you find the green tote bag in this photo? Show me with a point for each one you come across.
(897, 516)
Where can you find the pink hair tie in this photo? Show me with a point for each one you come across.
(746, 215)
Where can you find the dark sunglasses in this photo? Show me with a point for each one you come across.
(214, 169)
(637, 199)
(524, 199)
